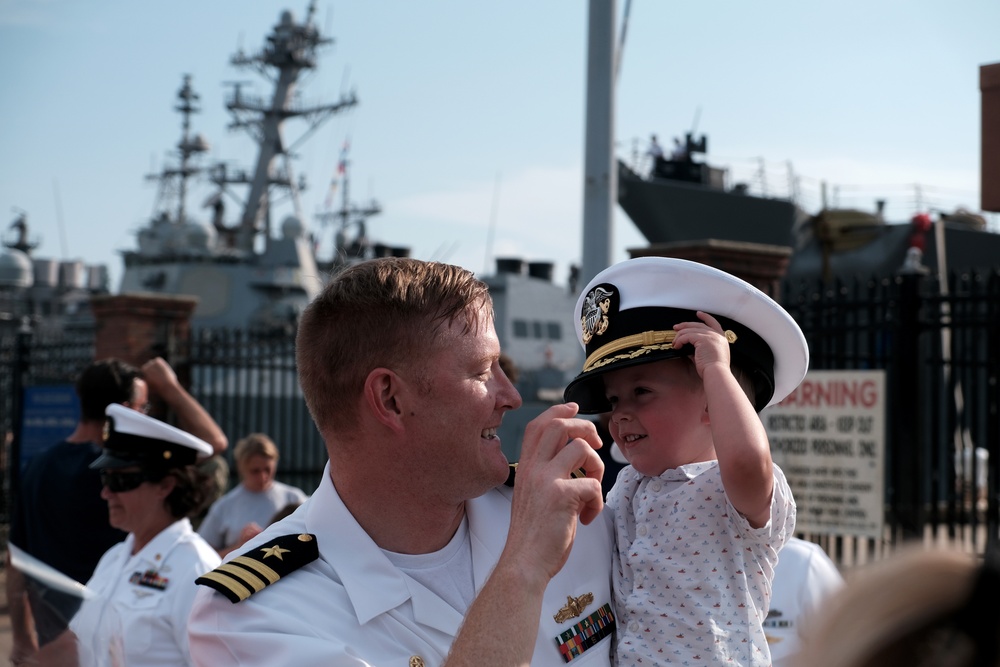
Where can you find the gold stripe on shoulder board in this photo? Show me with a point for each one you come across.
(261, 566)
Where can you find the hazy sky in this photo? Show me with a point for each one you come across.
(471, 114)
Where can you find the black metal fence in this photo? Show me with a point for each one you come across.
(939, 345)
(29, 359)
(249, 384)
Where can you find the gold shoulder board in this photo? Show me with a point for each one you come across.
(512, 474)
(261, 566)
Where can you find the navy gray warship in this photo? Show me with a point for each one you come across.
(248, 271)
(678, 201)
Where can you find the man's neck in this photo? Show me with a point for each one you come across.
(416, 523)
(87, 431)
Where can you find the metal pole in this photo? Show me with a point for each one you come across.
(21, 368)
(600, 181)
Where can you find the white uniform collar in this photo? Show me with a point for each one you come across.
(158, 548)
(370, 580)
(372, 583)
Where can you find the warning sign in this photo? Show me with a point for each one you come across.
(828, 437)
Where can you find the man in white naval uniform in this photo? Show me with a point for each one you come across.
(411, 552)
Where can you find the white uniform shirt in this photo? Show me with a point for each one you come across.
(229, 514)
(351, 606)
(804, 577)
(692, 578)
(139, 614)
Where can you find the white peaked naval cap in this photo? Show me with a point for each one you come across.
(625, 317)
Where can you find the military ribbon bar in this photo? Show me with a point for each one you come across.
(589, 631)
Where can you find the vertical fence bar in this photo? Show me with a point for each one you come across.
(906, 444)
(992, 404)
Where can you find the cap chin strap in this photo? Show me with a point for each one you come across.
(644, 342)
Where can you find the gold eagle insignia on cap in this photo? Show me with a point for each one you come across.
(574, 607)
(247, 574)
(594, 320)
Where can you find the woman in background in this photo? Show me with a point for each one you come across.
(241, 514)
(143, 588)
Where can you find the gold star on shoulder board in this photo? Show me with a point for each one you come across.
(251, 571)
(275, 551)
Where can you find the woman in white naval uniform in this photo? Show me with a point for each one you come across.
(144, 586)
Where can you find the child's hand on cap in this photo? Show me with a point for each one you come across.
(710, 343)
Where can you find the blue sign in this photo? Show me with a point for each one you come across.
(50, 414)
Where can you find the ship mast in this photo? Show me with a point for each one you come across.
(290, 49)
(348, 215)
(187, 147)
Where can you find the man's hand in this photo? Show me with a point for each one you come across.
(24, 639)
(160, 377)
(501, 626)
(24, 649)
(548, 500)
(192, 417)
(249, 531)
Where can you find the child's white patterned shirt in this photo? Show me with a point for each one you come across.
(692, 578)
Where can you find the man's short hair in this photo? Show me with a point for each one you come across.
(381, 313)
(102, 383)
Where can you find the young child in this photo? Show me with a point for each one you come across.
(683, 356)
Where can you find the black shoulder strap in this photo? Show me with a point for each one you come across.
(261, 566)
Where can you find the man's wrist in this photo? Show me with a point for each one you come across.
(522, 573)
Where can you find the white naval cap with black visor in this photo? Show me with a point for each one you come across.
(134, 439)
(627, 312)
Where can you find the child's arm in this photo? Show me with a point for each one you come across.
(741, 444)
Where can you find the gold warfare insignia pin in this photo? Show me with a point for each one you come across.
(594, 319)
(574, 607)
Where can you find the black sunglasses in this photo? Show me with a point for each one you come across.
(120, 482)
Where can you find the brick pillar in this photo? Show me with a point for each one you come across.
(989, 86)
(137, 327)
(761, 265)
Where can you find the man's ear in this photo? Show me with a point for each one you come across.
(382, 397)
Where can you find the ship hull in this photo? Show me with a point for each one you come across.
(668, 211)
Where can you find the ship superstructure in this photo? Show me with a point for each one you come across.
(244, 272)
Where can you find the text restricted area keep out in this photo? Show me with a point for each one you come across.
(828, 437)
